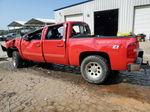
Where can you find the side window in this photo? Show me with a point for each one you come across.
(61, 31)
(76, 28)
(80, 30)
(55, 33)
(36, 35)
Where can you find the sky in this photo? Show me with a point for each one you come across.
(24, 10)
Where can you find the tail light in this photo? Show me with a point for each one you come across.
(131, 50)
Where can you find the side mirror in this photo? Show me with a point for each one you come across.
(27, 38)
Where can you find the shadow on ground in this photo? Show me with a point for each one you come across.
(141, 77)
(3, 59)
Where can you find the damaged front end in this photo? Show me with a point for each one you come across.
(9, 47)
(4, 48)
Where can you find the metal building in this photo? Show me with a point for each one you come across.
(39, 22)
(107, 17)
(16, 24)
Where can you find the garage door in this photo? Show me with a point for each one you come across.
(78, 17)
(142, 20)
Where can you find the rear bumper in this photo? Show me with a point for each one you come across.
(137, 66)
(134, 67)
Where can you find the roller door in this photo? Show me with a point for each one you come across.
(142, 20)
(78, 17)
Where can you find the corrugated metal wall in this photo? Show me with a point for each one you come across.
(126, 12)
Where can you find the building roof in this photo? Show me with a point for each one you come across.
(73, 5)
(16, 24)
(39, 22)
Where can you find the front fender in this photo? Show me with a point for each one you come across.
(10, 43)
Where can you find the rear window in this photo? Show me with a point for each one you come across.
(80, 30)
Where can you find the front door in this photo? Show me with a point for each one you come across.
(32, 47)
(54, 46)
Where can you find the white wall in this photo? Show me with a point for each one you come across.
(126, 12)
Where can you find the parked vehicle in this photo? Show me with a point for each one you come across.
(70, 43)
(1, 38)
(10, 36)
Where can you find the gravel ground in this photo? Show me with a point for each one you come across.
(60, 88)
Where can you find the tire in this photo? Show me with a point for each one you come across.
(17, 60)
(95, 69)
(9, 53)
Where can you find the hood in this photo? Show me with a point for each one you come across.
(12, 42)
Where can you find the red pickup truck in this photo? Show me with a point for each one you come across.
(70, 43)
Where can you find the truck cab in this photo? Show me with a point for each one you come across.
(50, 43)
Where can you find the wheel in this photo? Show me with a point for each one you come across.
(17, 60)
(95, 69)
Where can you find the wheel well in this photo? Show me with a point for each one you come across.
(85, 54)
(10, 51)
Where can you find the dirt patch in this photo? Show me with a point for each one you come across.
(35, 90)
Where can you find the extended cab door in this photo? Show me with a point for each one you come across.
(31, 46)
(54, 45)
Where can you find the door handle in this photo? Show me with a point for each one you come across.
(60, 45)
(38, 45)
